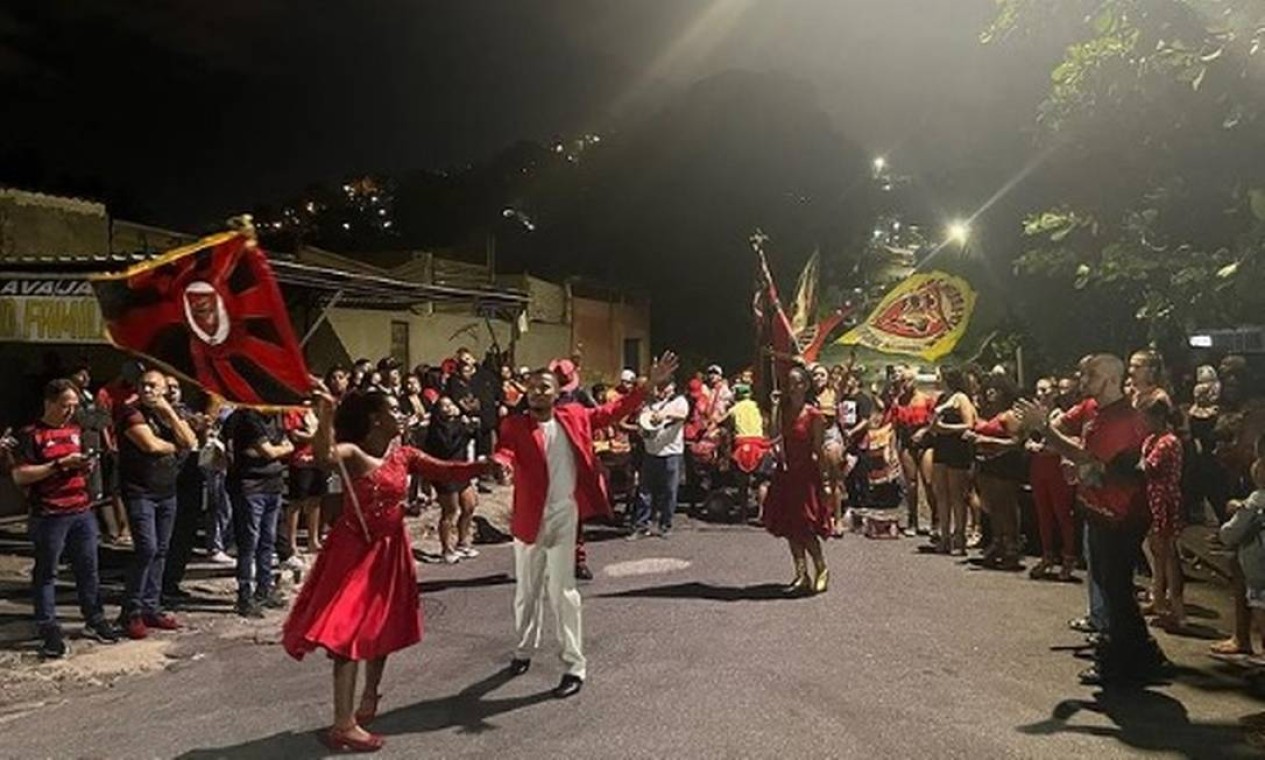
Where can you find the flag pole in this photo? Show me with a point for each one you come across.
(338, 294)
(355, 500)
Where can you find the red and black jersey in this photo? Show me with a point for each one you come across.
(65, 491)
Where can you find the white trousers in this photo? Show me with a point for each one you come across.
(548, 567)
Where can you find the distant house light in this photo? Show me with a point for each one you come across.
(1201, 341)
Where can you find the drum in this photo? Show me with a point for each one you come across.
(879, 525)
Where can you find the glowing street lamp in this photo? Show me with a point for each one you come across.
(959, 232)
(880, 164)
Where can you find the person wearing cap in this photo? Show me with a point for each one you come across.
(557, 484)
(663, 434)
(720, 397)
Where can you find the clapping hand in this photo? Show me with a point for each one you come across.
(1032, 415)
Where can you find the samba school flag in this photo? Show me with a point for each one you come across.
(924, 316)
(210, 312)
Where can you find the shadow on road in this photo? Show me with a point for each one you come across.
(467, 711)
(431, 587)
(1147, 720)
(694, 590)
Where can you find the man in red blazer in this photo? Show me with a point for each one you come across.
(549, 449)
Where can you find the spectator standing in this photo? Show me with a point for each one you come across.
(152, 440)
(50, 465)
(258, 451)
(190, 499)
(663, 425)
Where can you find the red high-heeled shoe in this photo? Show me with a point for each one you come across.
(339, 741)
(365, 717)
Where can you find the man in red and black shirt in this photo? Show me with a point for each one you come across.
(51, 466)
(1111, 488)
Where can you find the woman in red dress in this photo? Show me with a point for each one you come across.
(360, 601)
(796, 508)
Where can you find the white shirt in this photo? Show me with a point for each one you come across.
(669, 439)
(560, 461)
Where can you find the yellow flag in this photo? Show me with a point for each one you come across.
(924, 316)
(804, 306)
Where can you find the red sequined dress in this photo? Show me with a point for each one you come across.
(360, 600)
(796, 507)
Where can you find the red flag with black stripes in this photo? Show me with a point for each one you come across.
(212, 313)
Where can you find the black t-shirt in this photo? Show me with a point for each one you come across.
(248, 473)
(140, 472)
(853, 410)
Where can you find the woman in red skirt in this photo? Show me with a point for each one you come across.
(796, 509)
(1162, 465)
(360, 601)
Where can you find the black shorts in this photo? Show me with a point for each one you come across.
(307, 483)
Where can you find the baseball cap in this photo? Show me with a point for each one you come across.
(627, 376)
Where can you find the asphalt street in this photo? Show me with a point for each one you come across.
(694, 653)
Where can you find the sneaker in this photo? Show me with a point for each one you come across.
(1082, 625)
(221, 558)
(451, 558)
(134, 627)
(638, 533)
(665, 532)
(294, 564)
(102, 631)
(273, 600)
(162, 621)
(248, 608)
(582, 572)
(53, 645)
(910, 532)
(467, 552)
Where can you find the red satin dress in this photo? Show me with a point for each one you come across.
(360, 601)
(796, 507)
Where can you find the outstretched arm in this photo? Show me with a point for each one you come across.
(440, 471)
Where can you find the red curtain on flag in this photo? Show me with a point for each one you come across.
(212, 313)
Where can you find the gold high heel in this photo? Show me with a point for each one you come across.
(801, 583)
(822, 580)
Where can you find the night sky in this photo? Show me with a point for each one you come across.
(189, 109)
(180, 112)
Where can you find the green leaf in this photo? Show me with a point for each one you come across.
(1228, 271)
(1199, 78)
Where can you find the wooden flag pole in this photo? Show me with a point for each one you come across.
(355, 500)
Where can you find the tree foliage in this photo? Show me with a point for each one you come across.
(1154, 120)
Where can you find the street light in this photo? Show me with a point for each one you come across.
(880, 164)
(959, 232)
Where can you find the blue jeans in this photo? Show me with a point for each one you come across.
(255, 523)
(1098, 613)
(152, 520)
(660, 479)
(75, 534)
(219, 512)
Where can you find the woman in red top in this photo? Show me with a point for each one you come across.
(796, 509)
(1162, 465)
(910, 414)
(999, 470)
(1052, 497)
(360, 601)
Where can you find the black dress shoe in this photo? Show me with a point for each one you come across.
(568, 687)
(518, 667)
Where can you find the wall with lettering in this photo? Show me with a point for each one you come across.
(49, 311)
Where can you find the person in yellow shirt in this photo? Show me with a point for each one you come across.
(746, 415)
(751, 448)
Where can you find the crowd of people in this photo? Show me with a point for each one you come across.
(1116, 466)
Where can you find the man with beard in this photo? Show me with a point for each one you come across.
(557, 484)
(1111, 488)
